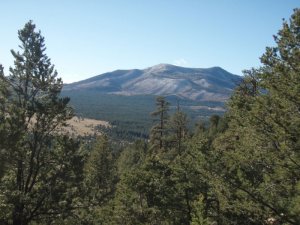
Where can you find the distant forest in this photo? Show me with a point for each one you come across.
(130, 116)
(240, 168)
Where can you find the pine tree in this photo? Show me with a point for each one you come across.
(260, 149)
(100, 171)
(159, 131)
(132, 156)
(3, 122)
(100, 179)
(42, 165)
(178, 129)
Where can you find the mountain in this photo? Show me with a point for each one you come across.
(211, 84)
(126, 98)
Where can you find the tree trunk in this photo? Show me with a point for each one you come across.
(18, 215)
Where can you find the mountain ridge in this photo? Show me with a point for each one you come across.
(197, 84)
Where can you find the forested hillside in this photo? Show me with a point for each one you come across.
(242, 168)
(130, 115)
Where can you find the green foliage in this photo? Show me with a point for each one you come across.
(159, 185)
(100, 178)
(42, 166)
(132, 156)
(3, 99)
(159, 130)
(260, 150)
(179, 131)
(199, 212)
(100, 171)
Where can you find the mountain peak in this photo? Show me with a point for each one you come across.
(161, 67)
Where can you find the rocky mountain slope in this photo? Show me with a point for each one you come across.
(211, 84)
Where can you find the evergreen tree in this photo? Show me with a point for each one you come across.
(159, 131)
(100, 171)
(214, 123)
(178, 129)
(100, 179)
(132, 157)
(3, 122)
(260, 150)
(43, 165)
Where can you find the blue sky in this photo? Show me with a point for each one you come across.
(87, 38)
